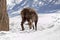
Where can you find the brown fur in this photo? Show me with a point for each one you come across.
(28, 14)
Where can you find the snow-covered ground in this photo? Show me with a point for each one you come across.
(48, 29)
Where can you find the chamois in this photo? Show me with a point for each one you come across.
(29, 15)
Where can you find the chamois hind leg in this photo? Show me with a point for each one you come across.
(22, 24)
(35, 25)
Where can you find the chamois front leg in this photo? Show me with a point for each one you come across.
(30, 23)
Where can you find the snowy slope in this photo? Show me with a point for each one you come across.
(48, 23)
(48, 29)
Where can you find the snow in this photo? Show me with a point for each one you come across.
(10, 2)
(48, 23)
(48, 29)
